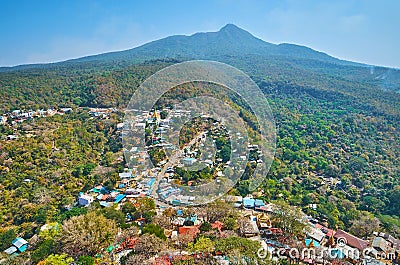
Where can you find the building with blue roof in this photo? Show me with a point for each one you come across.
(314, 242)
(259, 203)
(119, 198)
(337, 253)
(19, 245)
(248, 203)
(192, 218)
(104, 204)
(99, 190)
(176, 202)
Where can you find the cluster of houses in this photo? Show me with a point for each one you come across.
(172, 195)
(128, 187)
(101, 113)
(166, 191)
(139, 180)
(20, 116)
(19, 245)
(379, 250)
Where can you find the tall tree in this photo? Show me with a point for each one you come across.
(289, 219)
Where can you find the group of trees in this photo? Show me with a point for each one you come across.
(43, 173)
(332, 151)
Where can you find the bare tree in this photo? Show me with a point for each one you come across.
(147, 247)
(218, 211)
(163, 221)
(87, 234)
(289, 219)
(244, 226)
(365, 225)
(130, 232)
(183, 241)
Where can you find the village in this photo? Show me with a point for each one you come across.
(18, 116)
(260, 226)
(260, 215)
(162, 184)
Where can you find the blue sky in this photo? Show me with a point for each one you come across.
(53, 30)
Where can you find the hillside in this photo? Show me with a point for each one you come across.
(338, 145)
(65, 82)
(229, 40)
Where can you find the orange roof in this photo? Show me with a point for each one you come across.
(189, 230)
(164, 260)
(217, 225)
(327, 231)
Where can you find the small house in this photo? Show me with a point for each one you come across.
(189, 230)
(248, 202)
(3, 120)
(11, 250)
(380, 244)
(125, 175)
(258, 203)
(119, 198)
(316, 234)
(328, 232)
(85, 199)
(12, 137)
(66, 110)
(19, 245)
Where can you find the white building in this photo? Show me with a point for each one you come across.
(3, 120)
(12, 137)
(85, 199)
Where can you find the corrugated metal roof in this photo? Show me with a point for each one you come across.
(19, 242)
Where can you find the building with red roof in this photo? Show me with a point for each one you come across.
(351, 240)
(189, 230)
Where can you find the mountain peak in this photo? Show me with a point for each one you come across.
(233, 29)
(230, 40)
(229, 27)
